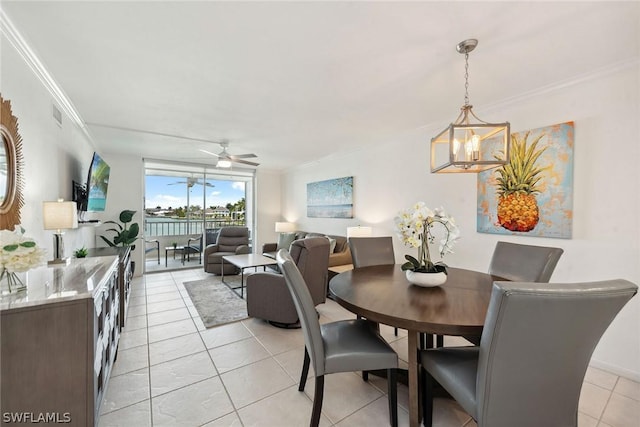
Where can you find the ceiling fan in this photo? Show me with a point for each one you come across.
(225, 159)
(193, 181)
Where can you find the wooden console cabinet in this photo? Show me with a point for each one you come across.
(58, 342)
(125, 273)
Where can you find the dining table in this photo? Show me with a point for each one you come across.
(382, 294)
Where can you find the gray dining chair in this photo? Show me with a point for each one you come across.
(368, 251)
(509, 381)
(342, 346)
(520, 263)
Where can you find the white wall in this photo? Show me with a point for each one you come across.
(268, 205)
(53, 155)
(606, 235)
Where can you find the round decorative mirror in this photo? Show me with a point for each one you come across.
(11, 182)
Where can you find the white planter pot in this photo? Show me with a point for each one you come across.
(426, 280)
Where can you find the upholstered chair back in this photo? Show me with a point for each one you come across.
(311, 256)
(366, 251)
(524, 263)
(230, 238)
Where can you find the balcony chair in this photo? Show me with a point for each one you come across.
(193, 246)
(152, 245)
(535, 348)
(267, 295)
(342, 346)
(231, 241)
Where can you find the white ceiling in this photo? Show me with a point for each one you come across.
(296, 81)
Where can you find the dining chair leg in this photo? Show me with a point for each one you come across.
(305, 370)
(395, 331)
(317, 401)
(365, 375)
(392, 383)
(427, 397)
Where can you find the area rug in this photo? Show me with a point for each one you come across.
(215, 302)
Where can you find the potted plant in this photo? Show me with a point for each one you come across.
(81, 253)
(175, 245)
(124, 235)
(415, 228)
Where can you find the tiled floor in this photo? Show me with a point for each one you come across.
(172, 371)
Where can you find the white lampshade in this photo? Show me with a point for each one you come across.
(285, 227)
(358, 231)
(59, 215)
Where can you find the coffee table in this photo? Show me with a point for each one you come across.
(245, 261)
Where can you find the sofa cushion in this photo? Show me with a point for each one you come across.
(285, 240)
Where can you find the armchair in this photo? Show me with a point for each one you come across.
(193, 246)
(231, 241)
(152, 245)
(267, 294)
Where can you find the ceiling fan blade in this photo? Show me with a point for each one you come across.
(209, 152)
(244, 162)
(242, 156)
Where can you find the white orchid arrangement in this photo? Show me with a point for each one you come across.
(18, 253)
(414, 227)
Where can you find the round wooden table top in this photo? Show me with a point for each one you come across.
(382, 294)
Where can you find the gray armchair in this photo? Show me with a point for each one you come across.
(535, 348)
(267, 294)
(231, 241)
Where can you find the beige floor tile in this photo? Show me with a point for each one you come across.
(181, 372)
(628, 388)
(157, 307)
(130, 360)
(160, 284)
(230, 420)
(600, 378)
(448, 413)
(593, 399)
(291, 361)
(601, 424)
(622, 411)
(174, 348)
(286, 408)
(168, 316)
(586, 421)
(253, 382)
(135, 322)
(374, 414)
(225, 334)
(130, 339)
(193, 405)
(161, 289)
(125, 390)
(257, 326)
(238, 354)
(344, 394)
(137, 310)
(137, 300)
(165, 296)
(279, 340)
(138, 415)
(402, 390)
(401, 347)
(333, 311)
(171, 330)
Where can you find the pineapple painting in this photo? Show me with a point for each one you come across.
(531, 195)
(518, 185)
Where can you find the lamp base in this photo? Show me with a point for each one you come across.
(59, 262)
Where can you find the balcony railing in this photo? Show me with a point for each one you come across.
(177, 227)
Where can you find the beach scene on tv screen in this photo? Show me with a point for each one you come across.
(98, 184)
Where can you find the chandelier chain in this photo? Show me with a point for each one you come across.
(466, 79)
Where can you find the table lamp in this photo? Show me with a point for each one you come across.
(59, 216)
(358, 231)
(285, 227)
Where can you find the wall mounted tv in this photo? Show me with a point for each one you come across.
(97, 184)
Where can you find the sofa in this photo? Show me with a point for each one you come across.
(269, 298)
(340, 255)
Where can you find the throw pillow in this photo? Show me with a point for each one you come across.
(332, 244)
(285, 240)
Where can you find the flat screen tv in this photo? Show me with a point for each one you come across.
(97, 184)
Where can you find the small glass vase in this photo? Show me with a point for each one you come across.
(426, 280)
(12, 282)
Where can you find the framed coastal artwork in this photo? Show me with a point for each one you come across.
(532, 195)
(332, 198)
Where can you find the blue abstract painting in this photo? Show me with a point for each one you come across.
(332, 198)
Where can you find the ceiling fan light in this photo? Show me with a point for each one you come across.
(224, 164)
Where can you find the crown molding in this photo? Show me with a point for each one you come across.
(40, 71)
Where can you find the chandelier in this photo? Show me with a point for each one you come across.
(469, 144)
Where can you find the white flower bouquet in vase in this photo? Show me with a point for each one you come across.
(416, 228)
(18, 254)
